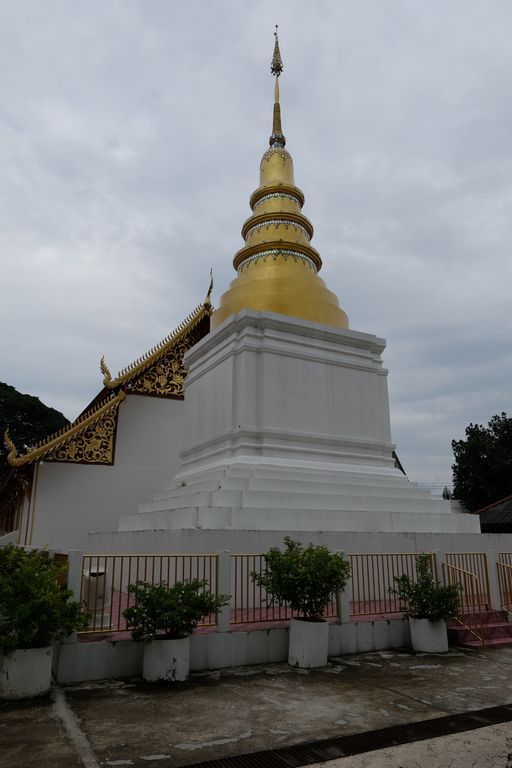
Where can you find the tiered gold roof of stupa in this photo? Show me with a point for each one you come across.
(277, 269)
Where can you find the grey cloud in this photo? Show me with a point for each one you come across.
(130, 140)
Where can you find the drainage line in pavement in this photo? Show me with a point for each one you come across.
(69, 720)
(343, 746)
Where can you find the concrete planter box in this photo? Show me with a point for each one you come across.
(308, 643)
(26, 673)
(166, 660)
(429, 636)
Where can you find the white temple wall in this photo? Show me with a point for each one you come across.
(70, 500)
(237, 541)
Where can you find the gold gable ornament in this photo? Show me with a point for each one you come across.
(90, 439)
(160, 372)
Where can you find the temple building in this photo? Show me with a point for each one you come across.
(266, 416)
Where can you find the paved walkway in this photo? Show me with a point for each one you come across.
(245, 710)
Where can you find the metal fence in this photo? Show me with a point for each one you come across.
(373, 578)
(106, 578)
(504, 567)
(475, 592)
(249, 602)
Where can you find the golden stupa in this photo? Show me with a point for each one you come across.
(277, 269)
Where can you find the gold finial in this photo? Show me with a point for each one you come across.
(276, 67)
(208, 300)
(107, 376)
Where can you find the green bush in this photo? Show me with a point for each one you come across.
(35, 610)
(170, 612)
(425, 597)
(307, 578)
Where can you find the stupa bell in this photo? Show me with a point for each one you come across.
(277, 269)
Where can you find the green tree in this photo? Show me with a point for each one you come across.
(27, 419)
(482, 472)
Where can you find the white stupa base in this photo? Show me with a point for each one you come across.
(286, 428)
(262, 496)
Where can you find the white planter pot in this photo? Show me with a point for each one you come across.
(25, 673)
(429, 636)
(166, 660)
(308, 643)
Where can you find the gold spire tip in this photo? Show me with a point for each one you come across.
(276, 66)
(277, 138)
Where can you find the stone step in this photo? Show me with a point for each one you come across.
(272, 519)
(493, 631)
(475, 643)
(317, 482)
(354, 486)
(295, 500)
(275, 468)
(318, 488)
(497, 630)
(486, 616)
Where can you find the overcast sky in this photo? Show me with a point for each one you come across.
(130, 139)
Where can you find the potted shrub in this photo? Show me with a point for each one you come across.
(307, 579)
(165, 617)
(429, 606)
(35, 611)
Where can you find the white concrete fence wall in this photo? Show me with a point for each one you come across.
(230, 645)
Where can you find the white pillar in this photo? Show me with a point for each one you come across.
(492, 573)
(343, 597)
(440, 559)
(343, 602)
(75, 560)
(224, 588)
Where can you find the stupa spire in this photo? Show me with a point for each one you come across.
(277, 268)
(276, 67)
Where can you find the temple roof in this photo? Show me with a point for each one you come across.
(147, 368)
(497, 517)
(160, 372)
(71, 443)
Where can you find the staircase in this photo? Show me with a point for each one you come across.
(466, 632)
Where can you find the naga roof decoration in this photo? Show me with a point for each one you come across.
(90, 439)
(160, 372)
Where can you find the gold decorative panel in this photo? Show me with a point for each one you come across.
(160, 371)
(89, 440)
(93, 445)
(166, 377)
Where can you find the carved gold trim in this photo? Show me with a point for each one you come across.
(156, 355)
(166, 377)
(89, 440)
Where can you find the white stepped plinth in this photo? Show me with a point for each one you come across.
(286, 427)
